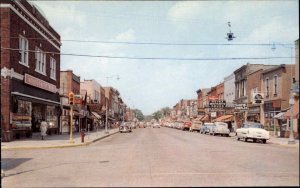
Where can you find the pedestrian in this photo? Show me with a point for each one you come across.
(43, 127)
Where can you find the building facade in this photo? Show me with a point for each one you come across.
(69, 82)
(241, 98)
(30, 77)
(276, 83)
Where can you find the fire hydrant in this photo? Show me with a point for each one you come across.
(82, 135)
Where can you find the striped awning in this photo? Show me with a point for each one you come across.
(225, 118)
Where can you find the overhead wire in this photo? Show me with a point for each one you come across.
(154, 43)
(149, 58)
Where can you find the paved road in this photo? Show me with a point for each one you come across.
(155, 157)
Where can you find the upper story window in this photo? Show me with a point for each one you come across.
(267, 87)
(243, 91)
(52, 68)
(40, 61)
(275, 84)
(23, 52)
(237, 90)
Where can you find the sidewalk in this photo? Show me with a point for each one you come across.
(277, 140)
(56, 141)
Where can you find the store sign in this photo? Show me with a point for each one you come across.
(241, 107)
(213, 104)
(213, 114)
(77, 99)
(31, 80)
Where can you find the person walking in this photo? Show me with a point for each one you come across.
(44, 127)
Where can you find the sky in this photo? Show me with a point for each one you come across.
(151, 84)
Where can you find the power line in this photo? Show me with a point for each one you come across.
(156, 43)
(152, 58)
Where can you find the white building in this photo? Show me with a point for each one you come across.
(92, 87)
(229, 89)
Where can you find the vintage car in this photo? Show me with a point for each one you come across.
(142, 125)
(186, 126)
(156, 125)
(196, 126)
(220, 128)
(254, 131)
(125, 127)
(207, 128)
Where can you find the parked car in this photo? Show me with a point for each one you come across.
(207, 128)
(142, 125)
(178, 125)
(220, 128)
(196, 126)
(186, 126)
(156, 125)
(254, 131)
(125, 127)
(133, 125)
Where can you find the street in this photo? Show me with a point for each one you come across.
(154, 157)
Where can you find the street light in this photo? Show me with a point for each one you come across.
(291, 102)
(106, 102)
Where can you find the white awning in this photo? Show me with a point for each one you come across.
(96, 115)
(279, 116)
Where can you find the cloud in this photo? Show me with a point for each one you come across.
(128, 36)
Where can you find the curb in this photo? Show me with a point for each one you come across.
(55, 146)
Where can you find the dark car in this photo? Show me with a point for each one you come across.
(125, 127)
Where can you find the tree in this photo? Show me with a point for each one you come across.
(139, 114)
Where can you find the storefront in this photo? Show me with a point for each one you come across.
(33, 100)
(253, 114)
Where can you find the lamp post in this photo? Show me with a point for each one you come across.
(106, 102)
(291, 102)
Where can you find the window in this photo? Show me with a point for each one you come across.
(267, 87)
(243, 91)
(23, 52)
(52, 68)
(275, 84)
(237, 90)
(40, 61)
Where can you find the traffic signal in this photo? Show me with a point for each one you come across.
(71, 98)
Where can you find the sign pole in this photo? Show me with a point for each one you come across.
(71, 126)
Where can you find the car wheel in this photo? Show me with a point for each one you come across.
(254, 140)
(237, 138)
(264, 141)
(246, 139)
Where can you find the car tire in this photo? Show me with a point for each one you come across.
(246, 139)
(264, 141)
(238, 138)
(254, 140)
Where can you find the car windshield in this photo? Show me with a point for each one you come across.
(254, 125)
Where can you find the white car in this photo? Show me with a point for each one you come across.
(254, 131)
(156, 125)
(220, 128)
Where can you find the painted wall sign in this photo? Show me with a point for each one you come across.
(36, 82)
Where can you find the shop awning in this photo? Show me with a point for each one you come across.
(295, 108)
(35, 99)
(279, 116)
(224, 118)
(96, 115)
(199, 118)
(205, 118)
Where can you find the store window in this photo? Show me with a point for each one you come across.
(21, 116)
(51, 117)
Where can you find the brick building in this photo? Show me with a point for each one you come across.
(69, 82)
(30, 78)
(276, 82)
(241, 97)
